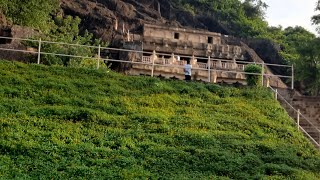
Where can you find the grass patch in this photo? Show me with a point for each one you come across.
(74, 123)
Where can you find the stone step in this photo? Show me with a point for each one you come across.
(309, 123)
(314, 134)
(310, 129)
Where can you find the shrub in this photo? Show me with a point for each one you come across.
(253, 79)
(86, 63)
(66, 29)
(32, 13)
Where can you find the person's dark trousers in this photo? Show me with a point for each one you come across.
(187, 77)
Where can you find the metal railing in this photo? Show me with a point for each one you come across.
(211, 65)
(299, 118)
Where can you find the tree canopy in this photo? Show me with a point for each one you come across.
(244, 19)
(308, 62)
(316, 18)
(32, 13)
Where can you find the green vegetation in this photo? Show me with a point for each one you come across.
(253, 79)
(309, 69)
(32, 13)
(307, 66)
(290, 40)
(76, 123)
(244, 19)
(66, 30)
(45, 16)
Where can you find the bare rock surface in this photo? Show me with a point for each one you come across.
(101, 16)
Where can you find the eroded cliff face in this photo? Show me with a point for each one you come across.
(101, 17)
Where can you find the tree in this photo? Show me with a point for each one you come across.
(308, 66)
(293, 39)
(32, 13)
(307, 63)
(254, 8)
(243, 18)
(66, 29)
(316, 18)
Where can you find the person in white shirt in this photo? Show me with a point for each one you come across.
(187, 71)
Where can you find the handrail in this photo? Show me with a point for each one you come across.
(18, 50)
(14, 38)
(138, 51)
(141, 52)
(279, 95)
(124, 61)
(309, 136)
(300, 114)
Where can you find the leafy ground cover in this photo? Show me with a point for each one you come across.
(74, 123)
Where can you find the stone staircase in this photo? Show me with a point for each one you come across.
(304, 110)
(309, 108)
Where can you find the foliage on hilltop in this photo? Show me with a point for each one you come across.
(308, 69)
(32, 13)
(243, 19)
(76, 123)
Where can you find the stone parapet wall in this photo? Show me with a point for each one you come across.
(197, 74)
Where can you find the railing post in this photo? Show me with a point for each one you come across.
(276, 94)
(262, 73)
(153, 58)
(99, 56)
(298, 119)
(292, 77)
(268, 81)
(39, 51)
(209, 69)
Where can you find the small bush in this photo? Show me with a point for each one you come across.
(213, 87)
(253, 79)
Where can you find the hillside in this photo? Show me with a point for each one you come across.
(68, 123)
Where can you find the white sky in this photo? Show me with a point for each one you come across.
(291, 13)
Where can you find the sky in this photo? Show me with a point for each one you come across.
(291, 13)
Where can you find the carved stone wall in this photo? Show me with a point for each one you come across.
(189, 42)
(195, 36)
